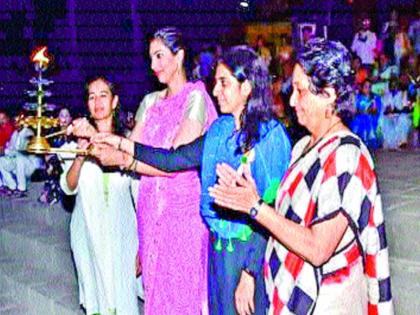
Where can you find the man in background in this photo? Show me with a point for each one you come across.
(6, 130)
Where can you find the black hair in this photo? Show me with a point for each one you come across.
(245, 64)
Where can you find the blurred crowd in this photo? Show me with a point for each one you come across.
(384, 108)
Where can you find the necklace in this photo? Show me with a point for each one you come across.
(309, 147)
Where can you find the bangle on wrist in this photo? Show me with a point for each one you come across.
(135, 165)
(253, 212)
(131, 164)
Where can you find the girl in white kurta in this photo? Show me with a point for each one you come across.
(103, 225)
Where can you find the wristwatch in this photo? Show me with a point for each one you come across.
(253, 212)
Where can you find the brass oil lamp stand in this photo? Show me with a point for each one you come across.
(39, 144)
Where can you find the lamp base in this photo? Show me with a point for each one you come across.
(40, 145)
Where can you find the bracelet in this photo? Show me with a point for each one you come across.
(119, 144)
(134, 166)
(131, 164)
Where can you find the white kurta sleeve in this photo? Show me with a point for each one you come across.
(67, 161)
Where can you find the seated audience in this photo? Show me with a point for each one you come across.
(365, 123)
(52, 192)
(395, 121)
(6, 130)
(16, 166)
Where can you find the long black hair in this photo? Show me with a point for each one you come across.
(245, 64)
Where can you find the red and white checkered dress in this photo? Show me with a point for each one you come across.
(337, 175)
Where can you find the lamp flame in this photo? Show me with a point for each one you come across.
(40, 56)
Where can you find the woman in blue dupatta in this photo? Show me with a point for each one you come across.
(246, 137)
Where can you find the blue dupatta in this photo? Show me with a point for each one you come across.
(272, 154)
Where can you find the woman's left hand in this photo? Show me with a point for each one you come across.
(234, 191)
(81, 128)
(107, 155)
(107, 138)
(244, 294)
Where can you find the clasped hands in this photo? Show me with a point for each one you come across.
(234, 191)
(102, 146)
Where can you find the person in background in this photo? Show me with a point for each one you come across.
(414, 98)
(206, 63)
(416, 115)
(388, 32)
(278, 103)
(52, 192)
(17, 166)
(306, 34)
(129, 122)
(6, 130)
(327, 253)
(382, 74)
(395, 120)
(103, 235)
(360, 74)
(402, 44)
(414, 33)
(364, 44)
(262, 50)
(368, 109)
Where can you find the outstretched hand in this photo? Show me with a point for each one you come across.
(234, 191)
(82, 144)
(81, 128)
(107, 155)
(107, 138)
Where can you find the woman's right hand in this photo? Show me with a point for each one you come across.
(82, 144)
(81, 128)
(107, 138)
(109, 156)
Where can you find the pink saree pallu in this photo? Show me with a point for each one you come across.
(173, 238)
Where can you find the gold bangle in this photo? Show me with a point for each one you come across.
(131, 164)
(135, 165)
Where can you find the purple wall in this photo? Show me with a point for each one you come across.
(108, 36)
(90, 37)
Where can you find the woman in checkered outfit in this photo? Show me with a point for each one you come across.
(328, 252)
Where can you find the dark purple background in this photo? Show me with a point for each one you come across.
(89, 37)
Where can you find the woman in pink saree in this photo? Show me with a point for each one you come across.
(173, 240)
